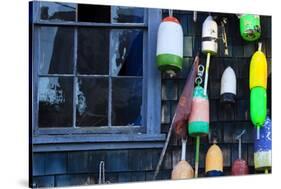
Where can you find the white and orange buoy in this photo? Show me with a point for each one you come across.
(228, 86)
(214, 161)
(183, 169)
(169, 52)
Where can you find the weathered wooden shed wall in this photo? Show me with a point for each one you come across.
(81, 167)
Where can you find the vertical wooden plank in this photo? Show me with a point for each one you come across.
(43, 181)
(117, 160)
(152, 77)
(55, 163)
(140, 160)
(77, 162)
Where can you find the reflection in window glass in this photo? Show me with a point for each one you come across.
(92, 102)
(57, 11)
(55, 101)
(56, 50)
(127, 14)
(126, 48)
(126, 101)
(93, 51)
(93, 13)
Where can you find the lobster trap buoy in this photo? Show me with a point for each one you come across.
(258, 104)
(263, 146)
(210, 36)
(169, 53)
(258, 69)
(198, 124)
(183, 169)
(209, 44)
(239, 166)
(258, 85)
(228, 86)
(250, 27)
(214, 161)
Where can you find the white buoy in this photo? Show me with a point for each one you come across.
(228, 86)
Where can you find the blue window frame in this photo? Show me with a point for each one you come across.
(71, 81)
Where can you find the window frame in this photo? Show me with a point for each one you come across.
(151, 97)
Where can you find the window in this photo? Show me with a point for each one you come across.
(93, 70)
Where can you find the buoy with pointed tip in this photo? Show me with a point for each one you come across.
(228, 86)
(250, 28)
(239, 166)
(210, 36)
(214, 161)
(169, 52)
(183, 169)
(263, 146)
(209, 44)
(258, 84)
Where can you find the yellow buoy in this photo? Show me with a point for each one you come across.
(214, 161)
(258, 70)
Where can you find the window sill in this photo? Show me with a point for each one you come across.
(96, 142)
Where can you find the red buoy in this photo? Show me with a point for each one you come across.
(239, 166)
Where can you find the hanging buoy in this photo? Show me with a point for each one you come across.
(250, 28)
(258, 69)
(239, 166)
(198, 124)
(262, 154)
(183, 169)
(170, 46)
(228, 86)
(214, 161)
(209, 44)
(258, 84)
(209, 36)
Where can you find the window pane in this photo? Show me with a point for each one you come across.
(92, 102)
(56, 50)
(55, 101)
(57, 11)
(126, 101)
(93, 13)
(127, 14)
(126, 48)
(93, 51)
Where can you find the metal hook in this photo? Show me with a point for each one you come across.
(238, 137)
(198, 80)
(101, 173)
(201, 69)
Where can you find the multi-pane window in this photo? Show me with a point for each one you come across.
(90, 66)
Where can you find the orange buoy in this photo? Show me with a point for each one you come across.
(183, 169)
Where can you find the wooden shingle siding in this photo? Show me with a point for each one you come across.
(79, 167)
